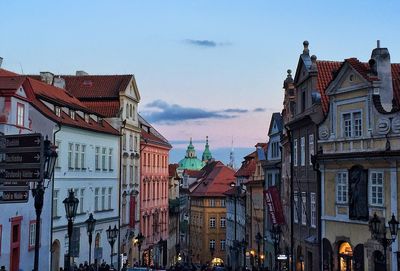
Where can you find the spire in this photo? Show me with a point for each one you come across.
(231, 157)
(207, 153)
(190, 151)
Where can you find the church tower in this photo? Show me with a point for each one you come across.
(190, 161)
(207, 153)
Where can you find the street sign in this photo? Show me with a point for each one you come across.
(21, 162)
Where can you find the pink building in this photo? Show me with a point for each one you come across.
(154, 151)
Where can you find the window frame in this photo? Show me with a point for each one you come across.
(212, 222)
(20, 106)
(353, 132)
(310, 148)
(303, 208)
(32, 235)
(302, 151)
(313, 210)
(296, 206)
(222, 222)
(344, 187)
(371, 185)
(295, 153)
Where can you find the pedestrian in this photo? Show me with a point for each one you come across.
(2, 268)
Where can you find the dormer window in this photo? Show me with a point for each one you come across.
(87, 118)
(57, 110)
(72, 114)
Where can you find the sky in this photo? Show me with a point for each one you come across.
(203, 68)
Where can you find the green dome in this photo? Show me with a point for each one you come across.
(190, 161)
(207, 153)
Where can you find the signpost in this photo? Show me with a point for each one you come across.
(21, 162)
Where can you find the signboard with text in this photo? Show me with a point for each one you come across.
(21, 162)
(273, 202)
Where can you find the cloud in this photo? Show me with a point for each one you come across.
(235, 110)
(172, 113)
(259, 109)
(206, 43)
(179, 142)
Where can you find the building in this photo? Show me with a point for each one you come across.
(359, 143)
(115, 98)
(191, 161)
(173, 245)
(272, 169)
(308, 109)
(154, 212)
(18, 115)
(208, 214)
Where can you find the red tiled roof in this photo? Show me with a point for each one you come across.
(9, 84)
(106, 108)
(248, 166)
(216, 183)
(96, 86)
(172, 169)
(326, 70)
(192, 173)
(4, 72)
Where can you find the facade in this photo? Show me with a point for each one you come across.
(19, 116)
(154, 150)
(173, 245)
(359, 159)
(308, 109)
(116, 98)
(208, 214)
(272, 169)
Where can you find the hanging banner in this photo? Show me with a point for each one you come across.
(273, 202)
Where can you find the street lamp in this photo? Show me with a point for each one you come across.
(90, 223)
(71, 206)
(258, 241)
(276, 237)
(139, 240)
(380, 235)
(50, 157)
(112, 234)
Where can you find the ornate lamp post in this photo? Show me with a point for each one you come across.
(379, 234)
(139, 240)
(276, 237)
(50, 157)
(71, 206)
(258, 241)
(112, 234)
(90, 223)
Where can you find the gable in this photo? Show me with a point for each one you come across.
(21, 92)
(301, 72)
(132, 90)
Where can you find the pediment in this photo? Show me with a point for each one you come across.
(302, 68)
(348, 79)
(132, 91)
(21, 92)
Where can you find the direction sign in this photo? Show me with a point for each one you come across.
(21, 162)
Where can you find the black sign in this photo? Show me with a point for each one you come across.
(14, 196)
(22, 157)
(21, 141)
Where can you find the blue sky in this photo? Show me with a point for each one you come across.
(205, 65)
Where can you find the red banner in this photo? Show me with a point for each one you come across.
(273, 202)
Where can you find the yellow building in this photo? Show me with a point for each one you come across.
(359, 154)
(208, 214)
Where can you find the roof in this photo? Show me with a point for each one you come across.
(233, 191)
(4, 72)
(149, 135)
(248, 166)
(326, 72)
(96, 86)
(216, 183)
(192, 173)
(172, 170)
(277, 117)
(107, 109)
(9, 84)
(38, 92)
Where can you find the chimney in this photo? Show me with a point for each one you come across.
(47, 77)
(380, 60)
(80, 73)
(59, 82)
(1, 61)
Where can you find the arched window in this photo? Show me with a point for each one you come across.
(345, 256)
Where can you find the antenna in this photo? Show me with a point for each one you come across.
(22, 70)
(232, 157)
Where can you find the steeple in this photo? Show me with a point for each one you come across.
(190, 152)
(231, 157)
(207, 153)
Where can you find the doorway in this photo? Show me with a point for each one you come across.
(15, 243)
(55, 250)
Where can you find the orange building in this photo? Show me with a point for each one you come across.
(208, 214)
(154, 150)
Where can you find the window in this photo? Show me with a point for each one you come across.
(277, 179)
(32, 234)
(103, 158)
(131, 142)
(20, 114)
(376, 188)
(296, 207)
(303, 101)
(295, 153)
(274, 149)
(303, 208)
(303, 151)
(222, 245)
(212, 202)
(136, 143)
(58, 145)
(310, 147)
(55, 203)
(212, 244)
(110, 159)
(72, 114)
(269, 180)
(97, 158)
(136, 181)
(352, 124)
(96, 199)
(77, 151)
(103, 198)
(83, 162)
(223, 203)
(341, 187)
(124, 174)
(123, 211)
(212, 222)
(127, 111)
(130, 174)
(130, 111)
(1, 234)
(58, 111)
(70, 155)
(223, 222)
(124, 141)
(109, 198)
(313, 210)
(82, 196)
